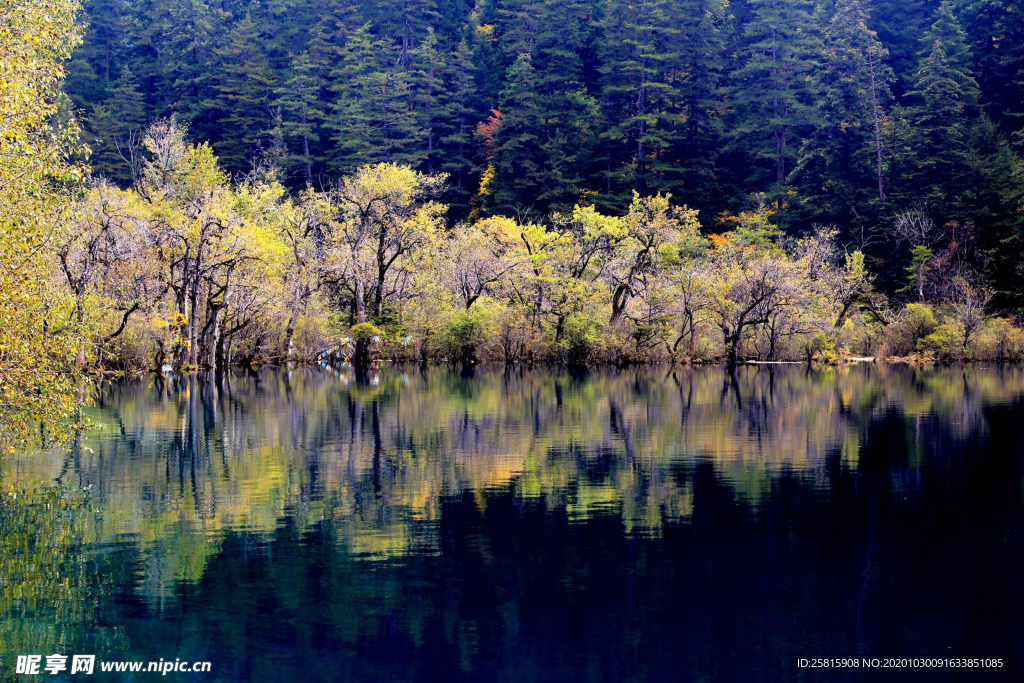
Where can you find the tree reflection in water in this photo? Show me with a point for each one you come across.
(437, 511)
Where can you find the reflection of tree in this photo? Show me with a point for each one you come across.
(180, 463)
(49, 593)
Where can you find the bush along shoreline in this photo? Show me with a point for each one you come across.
(189, 270)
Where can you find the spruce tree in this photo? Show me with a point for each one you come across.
(702, 50)
(429, 97)
(245, 93)
(96, 64)
(457, 125)
(639, 59)
(569, 113)
(179, 39)
(995, 30)
(772, 95)
(936, 160)
(102, 133)
(126, 102)
(947, 32)
(110, 125)
(839, 169)
(302, 116)
(517, 159)
(372, 117)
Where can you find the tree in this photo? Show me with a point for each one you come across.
(175, 49)
(772, 94)
(749, 285)
(702, 50)
(40, 339)
(372, 115)
(479, 256)
(246, 95)
(649, 233)
(457, 126)
(558, 38)
(918, 269)
(639, 57)
(127, 103)
(935, 163)
(839, 172)
(374, 222)
(946, 32)
(517, 157)
(429, 98)
(113, 125)
(302, 115)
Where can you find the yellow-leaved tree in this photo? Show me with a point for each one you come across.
(39, 336)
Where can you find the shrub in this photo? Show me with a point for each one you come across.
(365, 331)
(946, 342)
(463, 338)
(580, 339)
(999, 340)
(916, 322)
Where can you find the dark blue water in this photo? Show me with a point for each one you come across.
(533, 525)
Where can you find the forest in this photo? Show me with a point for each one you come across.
(191, 184)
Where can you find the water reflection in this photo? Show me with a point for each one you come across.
(429, 509)
(176, 464)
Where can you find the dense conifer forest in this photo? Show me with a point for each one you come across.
(840, 113)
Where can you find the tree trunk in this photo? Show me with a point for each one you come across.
(158, 357)
(732, 345)
(619, 301)
(360, 300)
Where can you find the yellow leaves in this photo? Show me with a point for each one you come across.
(37, 377)
(486, 179)
(501, 229)
(721, 240)
(595, 224)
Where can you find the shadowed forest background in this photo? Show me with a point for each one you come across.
(839, 113)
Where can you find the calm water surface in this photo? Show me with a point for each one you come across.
(637, 525)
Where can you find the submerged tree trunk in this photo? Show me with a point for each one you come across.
(732, 346)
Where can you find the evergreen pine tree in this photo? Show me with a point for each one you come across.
(95, 65)
(517, 157)
(638, 63)
(179, 40)
(557, 36)
(245, 94)
(456, 123)
(429, 100)
(995, 30)
(935, 163)
(838, 173)
(102, 133)
(302, 116)
(406, 22)
(702, 50)
(126, 102)
(772, 95)
(947, 32)
(372, 114)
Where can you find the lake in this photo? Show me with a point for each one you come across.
(423, 524)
